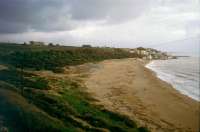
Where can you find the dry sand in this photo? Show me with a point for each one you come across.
(126, 86)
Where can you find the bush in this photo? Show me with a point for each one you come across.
(55, 59)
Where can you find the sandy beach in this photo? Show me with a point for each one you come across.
(126, 86)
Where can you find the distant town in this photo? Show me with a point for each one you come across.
(150, 54)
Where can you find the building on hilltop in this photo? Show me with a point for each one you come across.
(142, 51)
(149, 53)
(36, 43)
(87, 46)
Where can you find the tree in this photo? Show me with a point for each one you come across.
(50, 44)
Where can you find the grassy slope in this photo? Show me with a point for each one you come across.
(54, 57)
(53, 104)
(19, 115)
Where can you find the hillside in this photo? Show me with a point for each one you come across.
(39, 91)
(52, 57)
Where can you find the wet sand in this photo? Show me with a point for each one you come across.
(126, 86)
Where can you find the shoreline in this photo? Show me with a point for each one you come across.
(157, 74)
(128, 87)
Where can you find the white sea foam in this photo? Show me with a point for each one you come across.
(182, 73)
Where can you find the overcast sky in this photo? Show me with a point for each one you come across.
(116, 23)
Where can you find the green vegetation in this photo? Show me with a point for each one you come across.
(17, 115)
(28, 80)
(55, 57)
(52, 103)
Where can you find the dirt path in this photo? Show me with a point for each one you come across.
(126, 86)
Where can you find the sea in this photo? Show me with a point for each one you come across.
(182, 73)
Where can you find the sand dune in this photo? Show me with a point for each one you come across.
(126, 86)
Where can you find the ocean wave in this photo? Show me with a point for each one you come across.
(185, 82)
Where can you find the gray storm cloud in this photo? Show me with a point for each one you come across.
(114, 23)
(17, 16)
